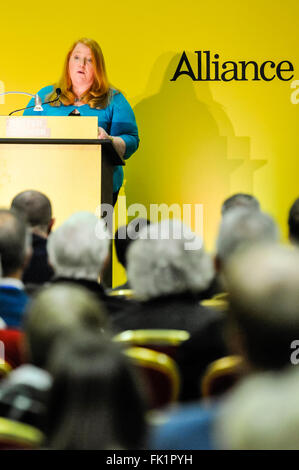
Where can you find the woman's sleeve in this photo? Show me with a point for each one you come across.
(123, 124)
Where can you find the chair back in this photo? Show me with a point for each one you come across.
(221, 296)
(126, 293)
(159, 375)
(165, 341)
(216, 304)
(221, 375)
(12, 341)
(5, 368)
(15, 435)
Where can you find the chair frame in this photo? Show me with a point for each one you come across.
(219, 368)
(160, 362)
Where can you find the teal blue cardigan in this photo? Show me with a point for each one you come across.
(117, 119)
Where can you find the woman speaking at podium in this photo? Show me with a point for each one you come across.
(85, 91)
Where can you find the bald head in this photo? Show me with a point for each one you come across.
(263, 283)
(36, 208)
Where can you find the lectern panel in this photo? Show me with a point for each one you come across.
(70, 175)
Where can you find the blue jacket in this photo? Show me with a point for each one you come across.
(117, 119)
(189, 427)
(13, 302)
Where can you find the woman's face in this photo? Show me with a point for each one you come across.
(81, 67)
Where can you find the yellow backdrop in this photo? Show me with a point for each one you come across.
(200, 141)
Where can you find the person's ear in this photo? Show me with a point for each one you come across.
(105, 266)
(27, 258)
(50, 225)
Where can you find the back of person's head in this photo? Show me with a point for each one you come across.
(240, 200)
(262, 413)
(36, 208)
(15, 242)
(95, 402)
(263, 287)
(79, 247)
(293, 222)
(57, 311)
(240, 227)
(168, 258)
(125, 235)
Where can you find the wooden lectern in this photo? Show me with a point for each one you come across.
(59, 156)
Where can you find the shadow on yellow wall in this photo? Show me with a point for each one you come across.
(188, 148)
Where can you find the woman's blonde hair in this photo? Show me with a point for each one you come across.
(99, 94)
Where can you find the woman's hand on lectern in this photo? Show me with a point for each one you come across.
(117, 142)
(102, 134)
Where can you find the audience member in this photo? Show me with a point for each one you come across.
(262, 413)
(123, 238)
(56, 312)
(59, 310)
(243, 227)
(15, 251)
(194, 355)
(239, 226)
(264, 304)
(78, 251)
(37, 210)
(240, 200)
(236, 201)
(293, 223)
(167, 268)
(94, 402)
(263, 321)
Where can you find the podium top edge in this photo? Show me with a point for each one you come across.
(31, 140)
(106, 143)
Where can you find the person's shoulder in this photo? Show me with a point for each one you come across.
(114, 92)
(188, 427)
(117, 97)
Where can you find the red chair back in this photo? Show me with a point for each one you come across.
(159, 375)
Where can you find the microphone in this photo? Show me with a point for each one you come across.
(37, 100)
(58, 93)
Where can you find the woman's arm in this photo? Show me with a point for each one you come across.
(117, 142)
(123, 124)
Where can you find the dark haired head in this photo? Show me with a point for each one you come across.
(36, 207)
(240, 200)
(125, 235)
(293, 222)
(94, 402)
